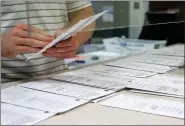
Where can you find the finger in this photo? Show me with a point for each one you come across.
(36, 36)
(26, 27)
(32, 28)
(27, 49)
(31, 42)
(61, 50)
(60, 55)
(66, 57)
(75, 41)
(72, 42)
(65, 43)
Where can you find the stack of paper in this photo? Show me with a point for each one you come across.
(147, 105)
(162, 84)
(103, 98)
(101, 75)
(16, 115)
(120, 71)
(95, 79)
(158, 59)
(155, 93)
(76, 28)
(68, 89)
(177, 50)
(39, 100)
(141, 66)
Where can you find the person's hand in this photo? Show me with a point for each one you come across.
(18, 41)
(64, 49)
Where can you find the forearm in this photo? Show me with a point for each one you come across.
(85, 34)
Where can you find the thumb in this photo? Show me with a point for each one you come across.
(75, 40)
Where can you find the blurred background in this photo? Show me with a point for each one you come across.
(132, 27)
(128, 27)
(127, 18)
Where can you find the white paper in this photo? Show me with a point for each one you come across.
(177, 50)
(147, 105)
(120, 71)
(141, 66)
(159, 59)
(170, 79)
(39, 100)
(95, 79)
(74, 90)
(16, 115)
(103, 98)
(76, 28)
(155, 93)
(162, 84)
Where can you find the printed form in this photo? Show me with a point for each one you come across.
(177, 50)
(160, 83)
(155, 93)
(141, 66)
(147, 105)
(159, 59)
(68, 89)
(39, 100)
(95, 79)
(120, 71)
(16, 115)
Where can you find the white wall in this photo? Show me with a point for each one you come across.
(137, 17)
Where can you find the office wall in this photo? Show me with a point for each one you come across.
(137, 11)
(119, 11)
(124, 14)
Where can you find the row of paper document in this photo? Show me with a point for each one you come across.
(116, 79)
(147, 105)
(144, 72)
(49, 97)
(72, 89)
(172, 56)
(134, 73)
(44, 97)
(176, 50)
(16, 115)
(31, 100)
(162, 60)
(157, 61)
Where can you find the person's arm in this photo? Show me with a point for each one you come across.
(86, 32)
(74, 17)
(68, 48)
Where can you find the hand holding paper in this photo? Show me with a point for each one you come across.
(70, 32)
(17, 40)
(63, 49)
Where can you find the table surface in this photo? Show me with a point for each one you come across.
(94, 113)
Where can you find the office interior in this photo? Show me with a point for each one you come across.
(139, 22)
(128, 29)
